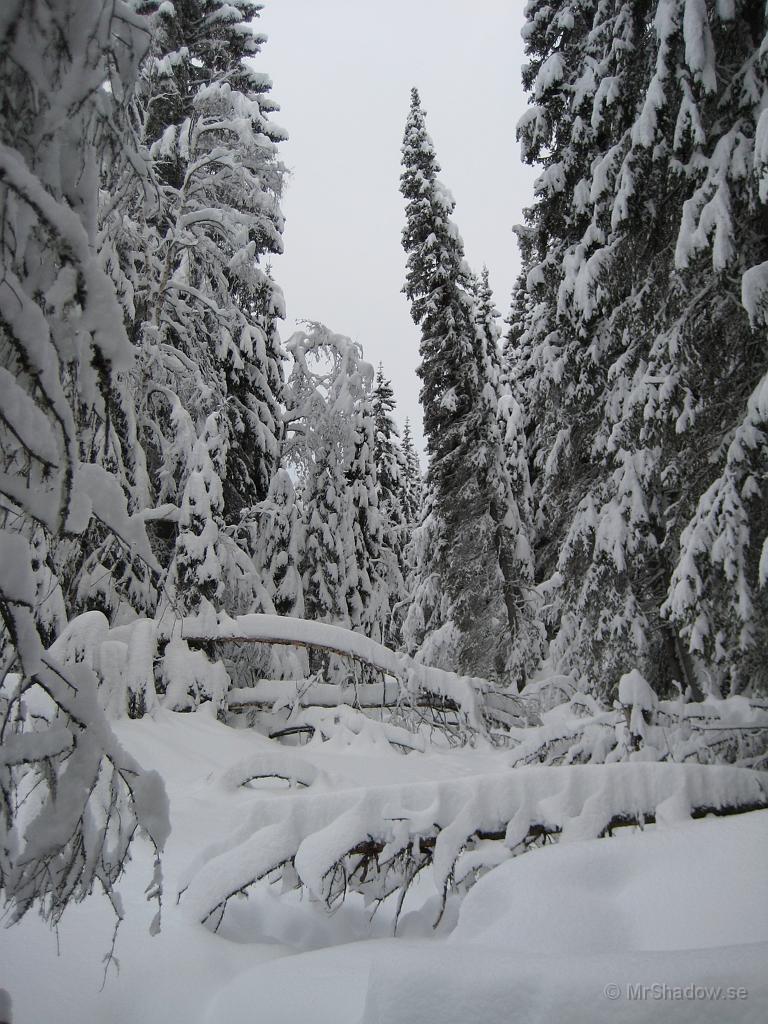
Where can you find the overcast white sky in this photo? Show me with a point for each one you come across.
(342, 73)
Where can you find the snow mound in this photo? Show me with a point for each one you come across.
(652, 891)
(635, 691)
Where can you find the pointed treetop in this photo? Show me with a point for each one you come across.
(383, 395)
(485, 291)
(487, 313)
(418, 149)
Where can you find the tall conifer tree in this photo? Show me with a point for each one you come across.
(464, 609)
(206, 307)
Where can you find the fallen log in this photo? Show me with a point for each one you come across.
(465, 692)
(375, 840)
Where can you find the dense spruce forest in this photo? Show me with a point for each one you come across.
(207, 525)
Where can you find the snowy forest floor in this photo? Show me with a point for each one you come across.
(558, 934)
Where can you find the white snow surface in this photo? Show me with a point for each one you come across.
(538, 938)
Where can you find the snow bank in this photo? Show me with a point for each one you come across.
(697, 886)
(324, 987)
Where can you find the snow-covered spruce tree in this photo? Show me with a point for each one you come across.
(315, 449)
(386, 447)
(206, 318)
(330, 441)
(464, 608)
(521, 436)
(264, 549)
(327, 540)
(373, 569)
(718, 595)
(411, 501)
(324, 559)
(391, 469)
(196, 573)
(411, 484)
(640, 349)
(70, 798)
(573, 48)
(510, 478)
(277, 542)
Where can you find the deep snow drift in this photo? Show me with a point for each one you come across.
(680, 909)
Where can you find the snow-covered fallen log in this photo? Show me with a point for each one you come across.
(376, 840)
(306, 707)
(275, 693)
(342, 725)
(639, 726)
(146, 664)
(293, 770)
(466, 693)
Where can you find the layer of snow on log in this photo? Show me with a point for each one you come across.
(463, 690)
(580, 801)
